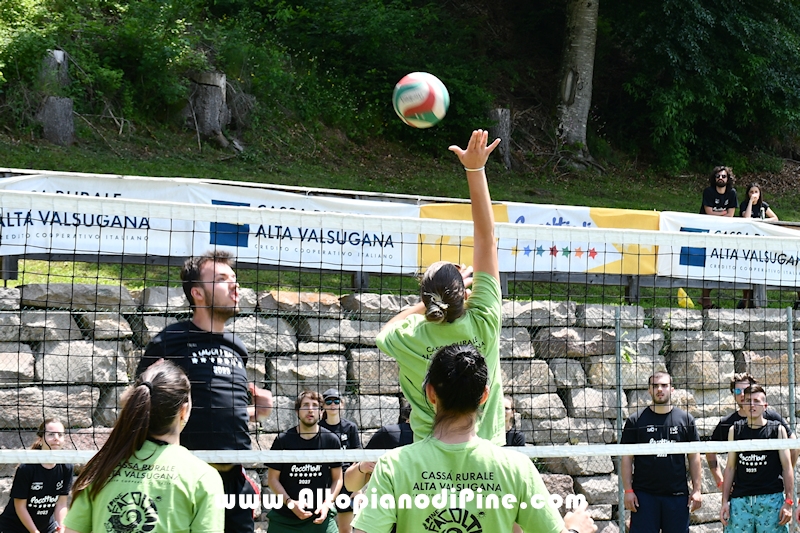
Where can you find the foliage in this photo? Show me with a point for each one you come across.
(710, 77)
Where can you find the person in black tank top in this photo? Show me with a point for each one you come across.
(757, 486)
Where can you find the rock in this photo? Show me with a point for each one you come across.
(526, 376)
(376, 307)
(145, 327)
(9, 299)
(567, 373)
(264, 334)
(701, 369)
(39, 326)
(305, 303)
(598, 489)
(580, 465)
(746, 320)
(293, 374)
(708, 527)
(594, 403)
(78, 296)
(714, 402)
(760, 341)
(283, 416)
(108, 407)
(573, 342)
(73, 404)
(602, 371)
(9, 327)
(164, 300)
(709, 511)
(541, 406)
(81, 362)
(321, 347)
(696, 341)
(539, 313)
(770, 367)
(372, 411)
(16, 363)
(344, 331)
(374, 371)
(568, 430)
(673, 319)
(603, 316)
(515, 343)
(558, 484)
(104, 326)
(706, 425)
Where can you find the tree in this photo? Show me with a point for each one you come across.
(575, 87)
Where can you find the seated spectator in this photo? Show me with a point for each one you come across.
(754, 206)
(719, 199)
(514, 437)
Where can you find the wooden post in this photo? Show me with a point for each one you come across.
(208, 109)
(502, 129)
(57, 121)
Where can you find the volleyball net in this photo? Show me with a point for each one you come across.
(590, 312)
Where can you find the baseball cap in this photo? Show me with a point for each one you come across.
(331, 393)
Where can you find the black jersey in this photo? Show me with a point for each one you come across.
(757, 472)
(721, 431)
(298, 476)
(391, 436)
(215, 364)
(41, 487)
(662, 474)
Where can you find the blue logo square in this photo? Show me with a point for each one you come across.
(692, 256)
(225, 234)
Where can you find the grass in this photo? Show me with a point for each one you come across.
(289, 155)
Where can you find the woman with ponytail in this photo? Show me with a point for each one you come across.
(447, 314)
(38, 499)
(457, 460)
(142, 479)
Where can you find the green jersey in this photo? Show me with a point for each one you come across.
(163, 488)
(429, 469)
(413, 341)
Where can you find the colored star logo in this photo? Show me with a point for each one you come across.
(578, 252)
(565, 251)
(553, 251)
(539, 251)
(592, 253)
(515, 250)
(528, 250)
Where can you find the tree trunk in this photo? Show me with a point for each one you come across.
(58, 125)
(502, 129)
(577, 67)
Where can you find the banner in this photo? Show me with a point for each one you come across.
(274, 243)
(578, 256)
(728, 261)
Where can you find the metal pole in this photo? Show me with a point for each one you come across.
(618, 460)
(790, 345)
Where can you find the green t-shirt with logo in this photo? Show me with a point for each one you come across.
(430, 466)
(163, 488)
(413, 341)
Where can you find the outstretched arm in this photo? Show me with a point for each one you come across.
(484, 258)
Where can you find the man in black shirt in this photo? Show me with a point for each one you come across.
(739, 384)
(214, 361)
(655, 485)
(303, 509)
(719, 199)
(761, 498)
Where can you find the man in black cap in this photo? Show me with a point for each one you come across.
(347, 432)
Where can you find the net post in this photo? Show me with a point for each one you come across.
(618, 459)
(790, 345)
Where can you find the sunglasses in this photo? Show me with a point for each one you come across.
(332, 401)
(738, 391)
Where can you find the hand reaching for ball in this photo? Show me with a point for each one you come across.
(477, 152)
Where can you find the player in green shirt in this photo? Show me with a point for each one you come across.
(446, 316)
(142, 479)
(454, 463)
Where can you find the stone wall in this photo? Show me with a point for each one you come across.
(72, 348)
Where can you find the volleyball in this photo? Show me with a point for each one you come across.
(420, 99)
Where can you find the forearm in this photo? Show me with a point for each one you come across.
(416, 309)
(713, 466)
(627, 472)
(354, 478)
(21, 507)
(696, 471)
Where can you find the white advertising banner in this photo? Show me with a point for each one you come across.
(266, 240)
(732, 259)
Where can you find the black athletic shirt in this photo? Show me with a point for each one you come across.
(215, 364)
(718, 201)
(661, 474)
(721, 431)
(41, 487)
(514, 437)
(297, 476)
(757, 472)
(391, 437)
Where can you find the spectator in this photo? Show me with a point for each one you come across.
(514, 437)
(754, 206)
(739, 383)
(350, 439)
(445, 316)
(299, 513)
(758, 487)
(386, 438)
(655, 486)
(214, 360)
(457, 384)
(38, 498)
(719, 199)
(142, 479)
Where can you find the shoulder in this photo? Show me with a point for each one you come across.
(329, 438)
(731, 418)
(682, 415)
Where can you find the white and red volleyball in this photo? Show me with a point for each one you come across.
(420, 99)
